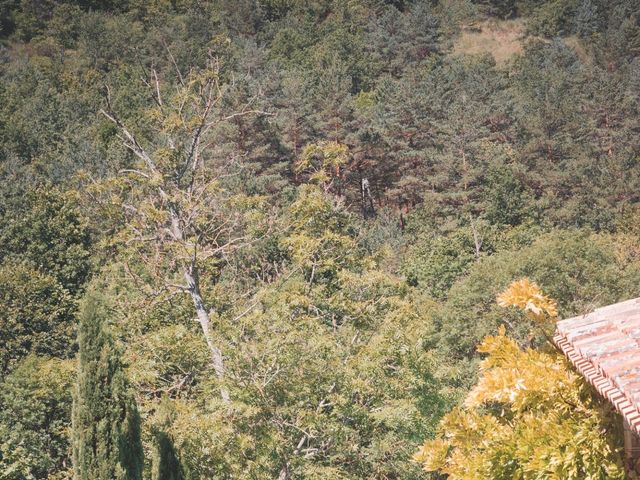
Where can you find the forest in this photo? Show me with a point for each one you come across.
(311, 239)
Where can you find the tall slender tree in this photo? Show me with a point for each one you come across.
(106, 424)
(181, 218)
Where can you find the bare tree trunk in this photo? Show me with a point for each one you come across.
(203, 318)
(284, 472)
(368, 208)
(477, 238)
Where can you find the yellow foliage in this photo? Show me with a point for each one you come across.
(527, 296)
(433, 454)
(330, 155)
(520, 378)
(322, 161)
(529, 416)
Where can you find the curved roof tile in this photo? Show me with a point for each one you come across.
(604, 346)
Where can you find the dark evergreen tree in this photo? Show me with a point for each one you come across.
(587, 19)
(397, 40)
(106, 424)
(498, 8)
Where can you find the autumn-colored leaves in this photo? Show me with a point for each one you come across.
(529, 416)
(528, 296)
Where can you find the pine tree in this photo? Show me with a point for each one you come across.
(587, 19)
(106, 424)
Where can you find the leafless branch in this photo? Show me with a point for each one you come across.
(173, 61)
(131, 142)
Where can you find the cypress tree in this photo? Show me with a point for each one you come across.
(106, 424)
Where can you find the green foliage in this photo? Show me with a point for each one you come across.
(437, 262)
(167, 356)
(346, 311)
(506, 197)
(588, 20)
(337, 382)
(49, 233)
(106, 424)
(324, 161)
(553, 18)
(326, 370)
(322, 239)
(581, 269)
(499, 8)
(37, 316)
(35, 416)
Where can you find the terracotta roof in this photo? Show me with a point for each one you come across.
(605, 347)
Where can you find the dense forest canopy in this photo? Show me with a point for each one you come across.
(253, 239)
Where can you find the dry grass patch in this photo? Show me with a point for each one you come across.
(502, 39)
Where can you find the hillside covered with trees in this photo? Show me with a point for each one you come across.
(311, 239)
